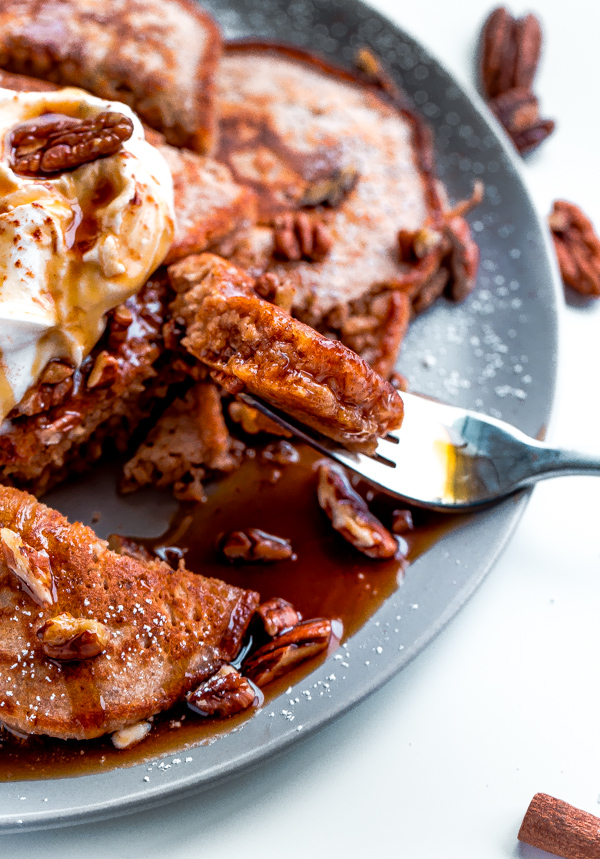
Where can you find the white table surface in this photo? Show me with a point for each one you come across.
(442, 762)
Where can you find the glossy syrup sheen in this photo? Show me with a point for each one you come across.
(329, 578)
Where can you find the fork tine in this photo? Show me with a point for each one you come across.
(361, 463)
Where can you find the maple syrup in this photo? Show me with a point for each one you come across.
(329, 578)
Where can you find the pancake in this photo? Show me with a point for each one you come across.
(157, 56)
(163, 632)
(290, 124)
(252, 344)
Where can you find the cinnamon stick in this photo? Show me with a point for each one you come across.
(557, 827)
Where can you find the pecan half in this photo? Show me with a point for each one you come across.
(277, 614)
(510, 51)
(67, 638)
(30, 566)
(287, 650)
(50, 145)
(298, 235)
(350, 515)
(518, 112)
(224, 694)
(255, 545)
(577, 248)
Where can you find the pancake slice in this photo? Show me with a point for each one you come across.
(253, 344)
(159, 633)
(305, 122)
(157, 56)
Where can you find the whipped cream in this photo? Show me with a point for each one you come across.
(74, 246)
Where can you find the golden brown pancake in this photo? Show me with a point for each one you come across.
(166, 631)
(289, 121)
(250, 343)
(158, 56)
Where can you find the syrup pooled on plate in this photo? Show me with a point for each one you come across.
(328, 578)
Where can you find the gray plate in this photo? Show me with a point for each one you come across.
(496, 353)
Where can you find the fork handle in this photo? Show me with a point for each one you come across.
(549, 461)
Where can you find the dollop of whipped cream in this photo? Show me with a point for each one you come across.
(75, 245)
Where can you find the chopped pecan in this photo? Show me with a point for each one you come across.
(331, 189)
(280, 453)
(350, 515)
(402, 521)
(131, 735)
(445, 253)
(52, 145)
(67, 638)
(430, 291)
(376, 74)
(270, 287)
(518, 112)
(104, 371)
(298, 235)
(577, 248)
(463, 262)
(277, 614)
(129, 547)
(255, 545)
(56, 372)
(30, 566)
(252, 421)
(224, 694)
(287, 650)
(510, 52)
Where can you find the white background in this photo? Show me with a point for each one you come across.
(443, 761)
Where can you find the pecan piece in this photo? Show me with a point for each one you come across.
(279, 292)
(332, 189)
(350, 515)
(577, 248)
(280, 453)
(45, 146)
(253, 422)
(298, 235)
(67, 638)
(30, 566)
(224, 694)
(287, 650)
(376, 74)
(463, 260)
(131, 735)
(255, 545)
(104, 371)
(402, 521)
(277, 614)
(55, 372)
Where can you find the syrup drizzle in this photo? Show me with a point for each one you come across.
(328, 579)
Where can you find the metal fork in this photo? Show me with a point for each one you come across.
(446, 458)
